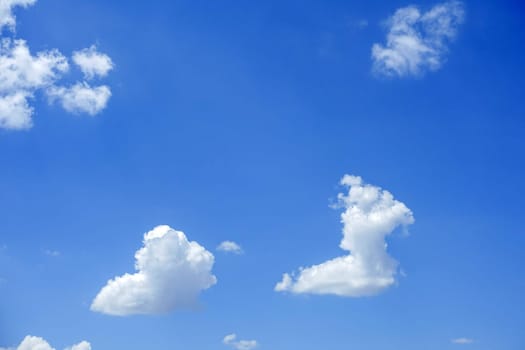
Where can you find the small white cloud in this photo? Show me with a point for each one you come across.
(92, 63)
(232, 341)
(81, 98)
(7, 19)
(80, 346)
(23, 73)
(15, 112)
(230, 247)
(462, 341)
(171, 272)
(37, 343)
(34, 343)
(50, 252)
(371, 214)
(417, 42)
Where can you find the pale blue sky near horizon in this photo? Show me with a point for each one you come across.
(235, 121)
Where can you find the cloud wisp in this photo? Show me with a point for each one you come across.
(52, 253)
(230, 247)
(370, 215)
(231, 340)
(417, 42)
(36, 343)
(462, 341)
(171, 271)
(23, 74)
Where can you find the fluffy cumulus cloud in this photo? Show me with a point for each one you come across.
(37, 343)
(171, 271)
(417, 41)
(7, 19)
(230, 247)
(462, 341)
(81, 98)
(231, 340)
(92, 63)
(80, 346)
(15, 112)
(370, 215)
(23, 73)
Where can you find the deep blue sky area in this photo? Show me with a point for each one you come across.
(235, 120)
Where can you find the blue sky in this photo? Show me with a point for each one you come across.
(236, 121)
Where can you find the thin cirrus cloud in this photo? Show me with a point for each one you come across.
(51, 252)
(231, 340)
(462, 341)
(23, 74)
(370, 215)
(417, 42)
(171, 271)
(230, 247)
(36, 343)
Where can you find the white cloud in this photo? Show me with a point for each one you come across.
(51, 252)
(21, 71)
(34, 343)
(92, 63)
(37, 343)
(462, 341)
(417, 42)
(80, 346)
(230, 247)
(232, 341)
(15, 112)
(171, 272)
(22, 74)
(7, 19)
(371, 214)
(81, 98)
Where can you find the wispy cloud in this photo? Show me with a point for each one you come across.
(462, 341)
(51, 252)
(230, 247)
(358, 23)
(417, 41)
(232, 341)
